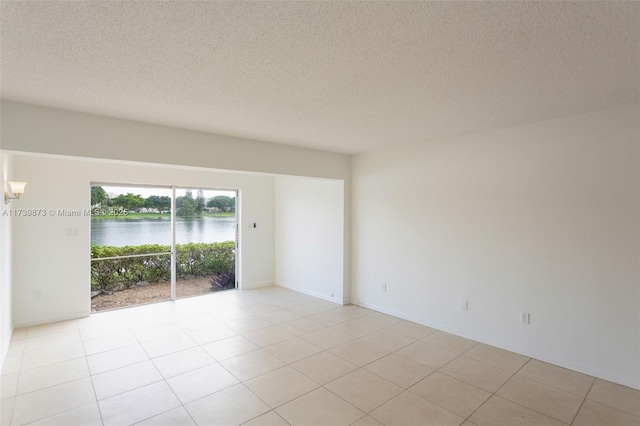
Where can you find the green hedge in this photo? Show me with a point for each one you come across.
(196, 259)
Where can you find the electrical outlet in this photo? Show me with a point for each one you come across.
(525, 318)
(465, 305)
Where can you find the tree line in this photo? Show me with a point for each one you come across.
(186, 205)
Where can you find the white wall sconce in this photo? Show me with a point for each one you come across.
(15, 190)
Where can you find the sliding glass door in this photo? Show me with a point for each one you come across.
(151, 244)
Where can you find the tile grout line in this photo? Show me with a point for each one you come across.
(164, 379)
(496, 391)
(455, 378)
(534, 410)
(553, 386)
(15, 398)
(50, 386)
(289, 365)
(377, 359)
(93, 386)
(583, 401)
(264, 299)
(523, 406)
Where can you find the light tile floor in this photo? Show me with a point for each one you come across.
(276, 357)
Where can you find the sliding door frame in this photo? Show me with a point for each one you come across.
(236, 239)
(173, 251)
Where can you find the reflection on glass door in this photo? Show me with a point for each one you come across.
(206, 227)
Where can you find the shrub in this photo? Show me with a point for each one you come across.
(197, 259)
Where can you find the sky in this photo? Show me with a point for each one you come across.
(146, 191)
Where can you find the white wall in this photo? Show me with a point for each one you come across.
(309, 226)
(6, 323)
(541, 218)
(51, 269)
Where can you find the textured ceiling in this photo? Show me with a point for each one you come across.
(340, 76)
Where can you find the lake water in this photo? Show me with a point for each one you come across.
(133, 232)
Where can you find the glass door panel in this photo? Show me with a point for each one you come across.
(130, 246)
(206, 227)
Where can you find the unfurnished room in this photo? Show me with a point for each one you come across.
(320, 213)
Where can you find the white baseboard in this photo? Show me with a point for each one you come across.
(5, 349)
(311, 293)
(47, 320)
(258, 284)
(528, 352)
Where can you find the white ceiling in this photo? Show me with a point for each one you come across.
(340, 76)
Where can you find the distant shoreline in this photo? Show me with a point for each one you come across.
(132, 215)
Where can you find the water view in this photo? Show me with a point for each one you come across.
(133, 232)
(125, 267)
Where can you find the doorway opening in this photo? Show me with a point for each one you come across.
(152, 244)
